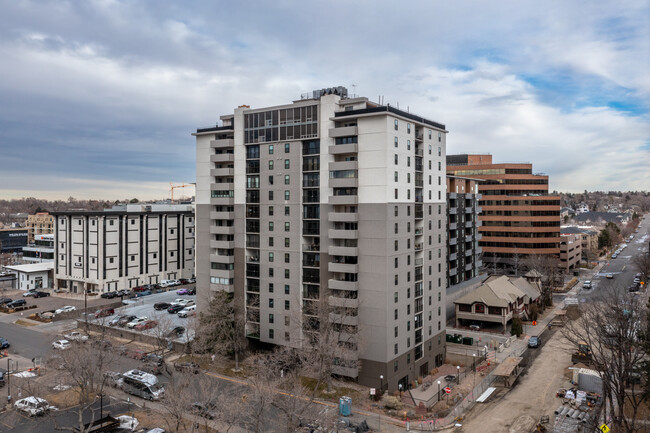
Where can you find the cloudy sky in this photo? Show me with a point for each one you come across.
(98, 98)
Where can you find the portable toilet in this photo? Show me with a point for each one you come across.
(345, 406)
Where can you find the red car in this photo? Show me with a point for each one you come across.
(104, 312)
(146, 325)
(139, 289)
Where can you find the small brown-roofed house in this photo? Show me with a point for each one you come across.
(497, 300)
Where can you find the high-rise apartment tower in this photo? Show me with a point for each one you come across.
(336, 200)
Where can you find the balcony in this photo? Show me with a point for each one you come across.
(252, 329)
(223, 186)
(418, 247)
(344, 319)
(453, 271)
(222, 273)
(335, 301)
(343, 149)
(341, 370)
(222, 157)
(222, 201)
(224, 142)
(343, 234)
(343, 217)
(343, 199)
(351, 182)
(345, 131)
(217, 258)
(453, 241)
(419, 232)
(469, 252)
(343, 165)
(218, 172)
(222, 215)
(343, 251)
(453, 226)
(311, 247)
(478, 236)
(222, 244)
(453, 210)
(342, 285)
(252, 259)
(343, 267)
(452, 257)
(469, 210)
(469, 266)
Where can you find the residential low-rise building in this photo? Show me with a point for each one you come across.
(41, 250)
(588, 240)
(41, 223)
(123, 247)
(498, 300)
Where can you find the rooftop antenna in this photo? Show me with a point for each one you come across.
(354, 90)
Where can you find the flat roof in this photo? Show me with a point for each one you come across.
(118, 212)
(507, 366)
(32, 267)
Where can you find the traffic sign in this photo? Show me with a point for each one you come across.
(604, 428)
(447, 390)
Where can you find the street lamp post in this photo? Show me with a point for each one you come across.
(381, 384)
(8, 382)
(474, 355)
(400, 391)
(458, 374)
(438, 390)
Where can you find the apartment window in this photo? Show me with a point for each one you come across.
(270, 226)
(429, 134)
(396, 331)
(396, 263)
(286, 320)
(271, 255)
(270, 149)
(408, 358)
(408, 161)
(270, 302)
(439, 209)
(271, 334)
(287, 179)
(396, 349)
(395, 366)
(396, 245)
(408, 144)
(396, 228)
(439, 252)
(270, 195)
(438, 310)
(396, 125)
(396, 177)
(429, 195)
(287, 195)
(270, 164)
(396, 142)
(439, 325)
(439, 224)
(270, 210)
(408, 177)
(270, 287)
(396, 193)
(439, 151)
(287, 163)
(396, 279)
(287, 258)
(429, 329)
(396, 159)
(429, 224)
(439, 238)
(287, 274)
(110, 260)
(270, 272)
(110, 222)
(286, 211)
(287, 242)
(287, 338)
(396, 210)
(429, 300)
(408, 210)
(287, 226)
(408, 262)
(439, 136)
(439, 165)
(408, 293)
(287, 289)
(270, 241)
(287, 305)
(408, 227)
(429, 269)
(439, 296)
(155, 255)
(429, 165)
(396, 295)
(408, 244)
(271, 318)
(408, 194)
(429, 179)
(287, 147)
(429, 149)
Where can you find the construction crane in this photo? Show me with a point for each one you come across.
(172, 187)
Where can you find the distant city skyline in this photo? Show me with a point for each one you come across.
(100, 97)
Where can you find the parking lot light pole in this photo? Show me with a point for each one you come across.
(8, 383)
(438, 390)
(458, 374)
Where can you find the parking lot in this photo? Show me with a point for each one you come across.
(143, 307)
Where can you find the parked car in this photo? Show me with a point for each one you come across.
(184, 281)
(534, 341)
(29, 293)
(139, 289)
(126, 320)
(135, 322)
(609, 275)
(143, 293)
(114, 321)
(2, 379)
(16, 303)
(192, 280)
(135, 353)
(32, 406)
(166, 283)
(4, 343)
(5, 301)
(124, 293)
(187, 311)
(176, 332)
(146, 325)
(61, 344)
(161, 306)
(153, 358)
(109, 295)
(104, 312)
(65, 309)
(475, 327)
(40, 294)
(207, 410)
(112, 378)
(183, 291)
(586, 284)
(192, 291)
(76, 336)
(175, 309)
(188, 367)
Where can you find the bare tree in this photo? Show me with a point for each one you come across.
(221, 329)
(641, 262)
(547, 266)
(612, 327)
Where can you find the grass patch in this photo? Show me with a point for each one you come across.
(22, 322)
(64, 399)
(321, 392)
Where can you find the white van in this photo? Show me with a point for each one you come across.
(166, 283)
(141, 384)
(32, 406)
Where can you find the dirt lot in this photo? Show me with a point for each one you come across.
(518, 410)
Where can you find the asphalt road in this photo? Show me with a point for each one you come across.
(25, 341)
